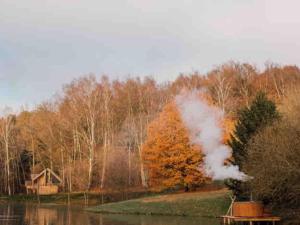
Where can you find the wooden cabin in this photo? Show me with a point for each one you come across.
(45, 183)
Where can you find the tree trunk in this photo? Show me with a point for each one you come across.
(91, 161)
(104, 161)
(63, 168)
(7, 167)
(6, 139)
(129, 166)
(142, 170)
(91, 152)
(33, 153)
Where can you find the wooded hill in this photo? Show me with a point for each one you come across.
(92, 133)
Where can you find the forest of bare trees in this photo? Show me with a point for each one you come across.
(92, 133)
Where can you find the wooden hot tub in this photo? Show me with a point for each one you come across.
(248, 209)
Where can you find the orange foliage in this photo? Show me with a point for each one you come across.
(170, 158)
(228, 127)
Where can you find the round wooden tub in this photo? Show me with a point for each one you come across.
(248, 209)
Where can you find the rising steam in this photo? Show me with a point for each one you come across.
(203, 123)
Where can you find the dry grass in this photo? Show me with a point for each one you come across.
(183, 196)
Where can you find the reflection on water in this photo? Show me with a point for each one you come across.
(34, 214)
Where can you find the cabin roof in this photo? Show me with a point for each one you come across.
(43, 172)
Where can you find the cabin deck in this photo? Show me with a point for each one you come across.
(227, 220)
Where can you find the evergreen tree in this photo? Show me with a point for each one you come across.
(261, 112)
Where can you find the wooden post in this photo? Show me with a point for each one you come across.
(230, 211)
(69, 201)
(86, 198)
(38, 193)
(49, 178)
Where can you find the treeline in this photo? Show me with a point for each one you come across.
(273, 159)
(266, 145)
(92, 133)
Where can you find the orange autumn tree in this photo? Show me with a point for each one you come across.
(227, 126)
(169, 157)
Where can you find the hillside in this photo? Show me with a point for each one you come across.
(205, 204)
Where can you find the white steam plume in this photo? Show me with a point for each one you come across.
(203, 125)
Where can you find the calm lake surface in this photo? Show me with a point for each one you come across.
(50, 214)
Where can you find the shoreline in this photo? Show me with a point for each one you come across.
(203, 203)
(77, 198)
(210, 204)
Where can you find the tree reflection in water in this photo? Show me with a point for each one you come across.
(50, 214)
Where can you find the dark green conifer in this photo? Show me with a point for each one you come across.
(261, 112)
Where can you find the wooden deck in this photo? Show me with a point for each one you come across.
(227, 220)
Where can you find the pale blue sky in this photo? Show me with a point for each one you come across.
(46, 43)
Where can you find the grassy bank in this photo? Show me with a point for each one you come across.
(205, 204)
(92, 198)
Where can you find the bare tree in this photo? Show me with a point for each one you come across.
(8, 125)
(106, 112)
(221, 87)
(83, 98)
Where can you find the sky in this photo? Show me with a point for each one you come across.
(47, 43)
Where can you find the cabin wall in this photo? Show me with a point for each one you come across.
(41, 181)
(48, 190)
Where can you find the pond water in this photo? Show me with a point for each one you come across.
(50, 214)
